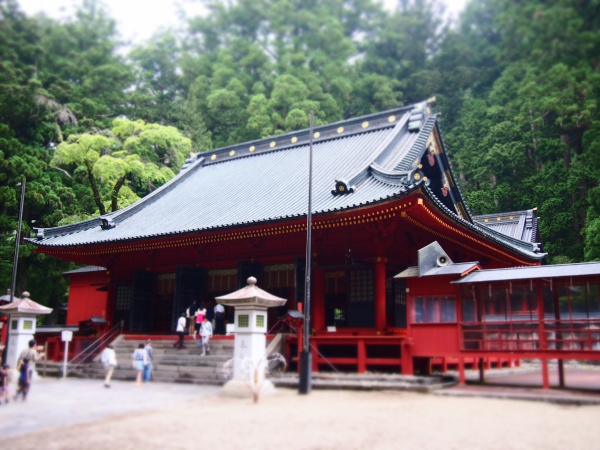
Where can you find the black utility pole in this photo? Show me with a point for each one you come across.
(17, 241)
(305, 355)
(13, 281)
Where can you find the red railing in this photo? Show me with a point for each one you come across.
(353, 353)
(575, 335)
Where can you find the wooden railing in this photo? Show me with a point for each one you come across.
(356, 353)
(574, 335)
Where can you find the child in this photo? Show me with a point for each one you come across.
(24, 379)
(206, 332)
(5, 383)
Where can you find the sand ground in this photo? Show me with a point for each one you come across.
(320, 420)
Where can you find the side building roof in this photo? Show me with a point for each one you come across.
(522, 225)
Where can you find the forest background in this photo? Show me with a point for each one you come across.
(93, 125)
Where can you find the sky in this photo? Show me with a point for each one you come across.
(138, 20)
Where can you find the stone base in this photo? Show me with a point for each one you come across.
(242, 389)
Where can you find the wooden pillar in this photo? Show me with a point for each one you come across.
(407, 362)
(318, 300)
(540, 304)
(362, 356)
(545, 376)
(481, 370)
(461, 371)
(380, 294)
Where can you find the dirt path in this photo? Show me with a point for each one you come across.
(333, 420)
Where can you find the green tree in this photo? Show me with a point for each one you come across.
(125, 163)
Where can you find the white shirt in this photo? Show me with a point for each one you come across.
(206, 329)
(219, 308)
(181, 324)
(108, 358)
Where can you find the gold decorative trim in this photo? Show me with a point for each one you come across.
(272, 144)
(232, 152)
(252, 148)
(365, 124)
(317, 135)
(213, 157)
(294, 140)
(358, 219)
(392, 119)
(340, 130)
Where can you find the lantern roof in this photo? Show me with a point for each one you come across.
(251, 295)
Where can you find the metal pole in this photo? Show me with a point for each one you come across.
(13, 281)
(65, 359)
(306, 356)
(17, 242)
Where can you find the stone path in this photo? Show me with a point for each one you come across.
(52, 403)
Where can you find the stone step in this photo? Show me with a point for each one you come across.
(169, 366)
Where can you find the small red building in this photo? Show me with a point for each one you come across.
(383, 189)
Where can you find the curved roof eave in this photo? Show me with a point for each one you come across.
(524, 248)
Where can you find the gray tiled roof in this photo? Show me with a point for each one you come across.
(516, 224)
(85, 269)
(266, 180)
(527, 273)
(452, 269)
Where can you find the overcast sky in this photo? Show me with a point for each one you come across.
(139, 19)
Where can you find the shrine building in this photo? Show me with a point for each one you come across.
(397, 256)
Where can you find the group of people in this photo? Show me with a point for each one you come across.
(196, 322)
(141, 360)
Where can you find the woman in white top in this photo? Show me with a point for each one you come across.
(109, 361)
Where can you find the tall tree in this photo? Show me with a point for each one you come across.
(125, 163)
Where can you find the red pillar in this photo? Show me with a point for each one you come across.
(407, 362)
(545, 376)
(461, 371)
(380, 294)
(318, 300)
(362, 356)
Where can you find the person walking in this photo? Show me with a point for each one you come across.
(219, 319)
(139, 358)
(200, 314)
(5, 383)
(150, 358)
(24, 379)
(206, 332)
(30, 353)
(191, 318)
(108, 358)
(180, 330)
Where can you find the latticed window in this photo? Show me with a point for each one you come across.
(361, 286)
(260, 321)
(222, 280)
(124, 295)
(278, 276)
(165, 284)
(243, 321)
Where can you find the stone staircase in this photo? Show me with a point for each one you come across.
(170, 365)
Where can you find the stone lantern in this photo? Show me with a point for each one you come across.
(249, 364)
(21, 327)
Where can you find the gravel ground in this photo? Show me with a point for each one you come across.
(160, 416)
